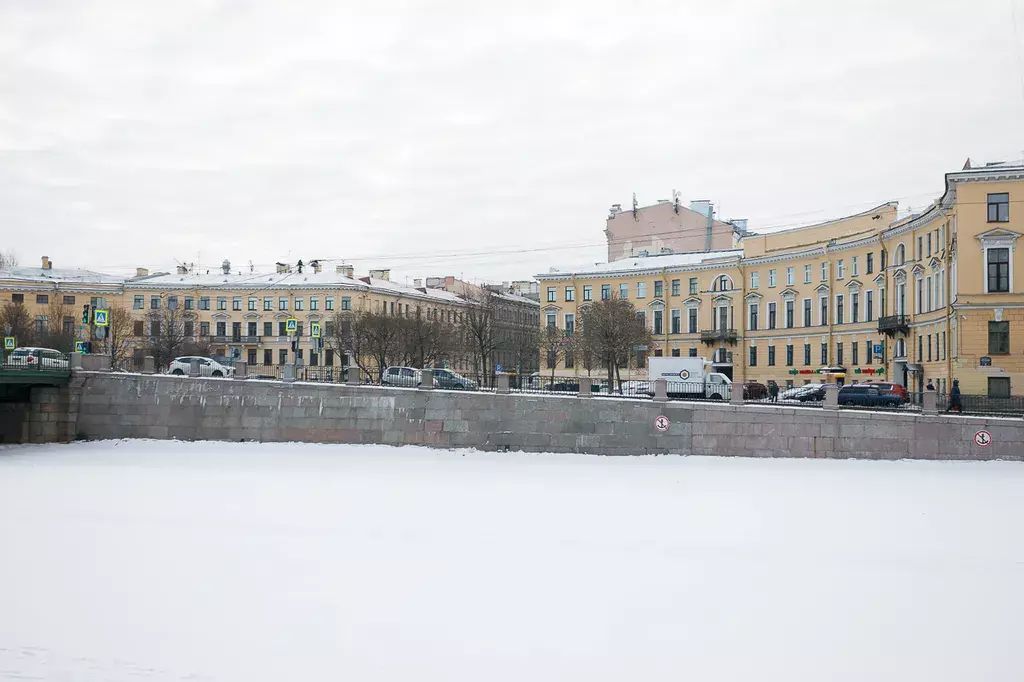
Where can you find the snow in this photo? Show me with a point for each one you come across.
(141, 560)
(653, 262)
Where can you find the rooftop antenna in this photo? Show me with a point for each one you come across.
(252, 268)
(636, 217)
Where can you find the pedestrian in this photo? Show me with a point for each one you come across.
(773, 391)
(930, 386)
(954, 397)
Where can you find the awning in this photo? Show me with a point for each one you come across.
(914, 368)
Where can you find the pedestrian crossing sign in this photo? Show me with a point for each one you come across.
(314, 330)
(291, 326)
(101, 318)
(80, 346)
(9, 343)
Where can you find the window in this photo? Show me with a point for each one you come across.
(221, 329)
(17, 298)
(753, 317)
(172, 302)
(551, 294)
(840, 269)
(771, 278)
(268, 303)
(282, 356)
(807, 274)
(570, 359)
(659, 289)
(854, 270)
(920, 296)
(659, 322)
(642, 316)
(268, 329)
(570, 293)
(236, 331)
(929, 348)
(807, 312)
(623, 291)
(943, 345)
(789, 355)
(222, 303)
(823, 313)
(998, 338)
(693, 285)
(641, 289)
(928, 294)
(189, 303)
(928, 241)
(998, 269)
(870, 264)
(790, 274)
(691, 320)
(753, 280)
(753, 356)
(551, 320)
(901, 255)
(723, 283)
(772, 314)
(139, 303)
(824, 271)
(282, 303)
(606, 292)
(692, 353)
(999, 387)
(570, 324)
(300, 303)
(824, 354)
(42, 298)
(252, 303)
(236, 302)
(790, 314)
(855, 304)
(138, 327)
(588, 292)
(346, 303)
(298, 329)
(999, 208)
(920, 348)
(314, 303)
(839, 354)
(677, 322)
(807, 354)
(154, 302)
(840, 315)
(154, 327)
(854, 354)
(204, 328)
(282, 328)
(69, 300)
(675, 287)
(329, 302)
(675, 352)
(771, 356)
(869, 302)
(641, 359)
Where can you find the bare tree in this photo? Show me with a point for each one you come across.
(479, 329)
(8, 259)
(59, 331)
(609, 331)
(15, 321)
(426, 341)
(121, 335)
(172, 334)
(376, 341)
(524, 345)
(557, 346)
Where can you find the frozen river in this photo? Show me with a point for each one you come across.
(252, 563)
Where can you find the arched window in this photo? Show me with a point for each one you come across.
(722, 283)
(901, 255)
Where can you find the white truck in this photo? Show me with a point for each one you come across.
(690, 377)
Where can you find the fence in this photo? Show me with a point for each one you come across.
(982, 405)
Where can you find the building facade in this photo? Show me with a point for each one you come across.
(936, 296)
(668, 227)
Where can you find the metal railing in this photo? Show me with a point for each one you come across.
(713, 335)
(264, 371)
(885, 402)
(982, 405)
(889, 324)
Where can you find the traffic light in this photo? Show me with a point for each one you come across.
(85, 314)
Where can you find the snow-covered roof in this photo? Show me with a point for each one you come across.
(308, 279)
(516, 298)
(657, 262)
(395, 288)
(58, 276)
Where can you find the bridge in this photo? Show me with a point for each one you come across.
(35, 374)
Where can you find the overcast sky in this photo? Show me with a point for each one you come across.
(478, 139)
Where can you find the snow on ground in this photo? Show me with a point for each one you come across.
(197, 561)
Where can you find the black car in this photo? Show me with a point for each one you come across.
(815, 393)
(867, 396)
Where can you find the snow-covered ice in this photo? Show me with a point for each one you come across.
(251, 563)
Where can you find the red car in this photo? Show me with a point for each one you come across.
(893, 388)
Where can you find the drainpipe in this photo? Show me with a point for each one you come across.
(707, 232)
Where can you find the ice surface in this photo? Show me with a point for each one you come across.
(178, 561)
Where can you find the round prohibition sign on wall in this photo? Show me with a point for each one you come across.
(662, 423)
(983, 439)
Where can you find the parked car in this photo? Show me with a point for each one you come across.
(793, 393)
(812, 392)
(893, 388)
(753, 390)
(38, 358)
(407, 377)
(208, 367)
(865, 395)
(445, 378)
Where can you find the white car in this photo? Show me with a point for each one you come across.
(795, 392)
(38, 358)
(207, 367)
(408, 377)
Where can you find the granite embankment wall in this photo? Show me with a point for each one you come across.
(139, 406)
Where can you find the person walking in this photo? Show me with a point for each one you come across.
(773, 391)
(954, 398)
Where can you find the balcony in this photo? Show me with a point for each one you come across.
(894, 324)
(713, 336)
(251, 339)
(220, 339)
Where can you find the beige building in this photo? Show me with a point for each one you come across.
(934, 296)
(668, 227)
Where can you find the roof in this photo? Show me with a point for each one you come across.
(516, 298)
(59, 276)
(256, 281)
(671, 260)
(387, 285)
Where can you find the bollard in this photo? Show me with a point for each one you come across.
(289, 372)
(736, 394)
(241, 370)
(586, 385)
(193, 367)
(426, 379)
(660, 390)
(930, 403)
(831, 397)
(149, 365)
(502, 383)
(353, 375)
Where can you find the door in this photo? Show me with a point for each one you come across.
(723, 319)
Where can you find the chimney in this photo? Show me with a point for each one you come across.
(384, 274)
(143, 272)
(417, 283)
(182, 270)
(47, 265)
(346, 270)
(225, 266)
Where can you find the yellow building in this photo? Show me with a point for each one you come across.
(935, 296)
